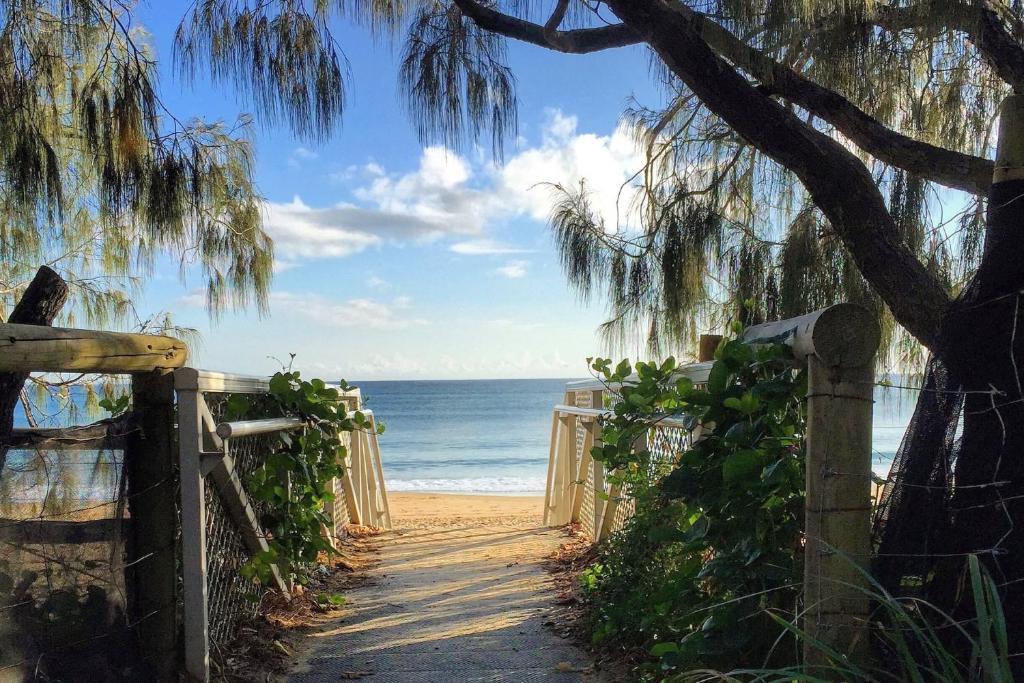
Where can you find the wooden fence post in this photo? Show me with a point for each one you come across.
(552, 455)
(838, 508)
(707, 345)
(839, 345)
(193, 535)
(151, 563)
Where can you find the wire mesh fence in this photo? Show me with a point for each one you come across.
(231, 596)
(64, 549)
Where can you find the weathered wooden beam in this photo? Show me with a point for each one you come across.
(57, 532)
(844, 335)
(32, 348)
(104, 435)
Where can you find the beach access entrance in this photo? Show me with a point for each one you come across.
(459, 594)
(455, 597)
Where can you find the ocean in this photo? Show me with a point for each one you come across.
(491, 436)
(456, 436)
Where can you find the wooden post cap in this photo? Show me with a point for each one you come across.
(844, 335)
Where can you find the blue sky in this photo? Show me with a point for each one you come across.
(397, 261)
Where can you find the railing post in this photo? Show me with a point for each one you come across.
(583, 471)
(152, 568)
(549, 492)
(193, 536)
(378, 465)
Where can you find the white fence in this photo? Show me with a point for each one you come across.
(577, 489)
(220, 526)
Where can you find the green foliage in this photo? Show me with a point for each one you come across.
(917, 642)
(294, 482)
(715, 540)
(116, 405)
(98, 177)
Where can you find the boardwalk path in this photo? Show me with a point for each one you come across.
(451, 600)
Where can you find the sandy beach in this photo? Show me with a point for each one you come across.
(421, 510)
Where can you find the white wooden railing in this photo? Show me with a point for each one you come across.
(224, 452)
(577, 489)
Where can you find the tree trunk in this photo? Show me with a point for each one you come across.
(39, 305)
(983, 346)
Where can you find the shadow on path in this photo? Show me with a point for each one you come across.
(466, 604)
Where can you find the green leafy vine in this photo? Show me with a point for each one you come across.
(293, 485)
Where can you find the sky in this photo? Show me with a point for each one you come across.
(396, 260)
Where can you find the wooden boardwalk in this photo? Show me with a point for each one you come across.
(451, 603)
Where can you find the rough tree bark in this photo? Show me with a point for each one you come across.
(39, 305)
(983, 346)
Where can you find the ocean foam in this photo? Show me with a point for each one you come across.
(470, 485)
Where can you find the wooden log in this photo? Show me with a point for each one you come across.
(58, 532)
(843, 335)
(30, 348)
(152, 573)
(39, 305)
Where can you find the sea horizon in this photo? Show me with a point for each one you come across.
(465, 436)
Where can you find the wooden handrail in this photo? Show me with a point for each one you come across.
(661, 421)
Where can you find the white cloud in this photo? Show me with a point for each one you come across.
(358, 312)
(513, 269)
(419, 206)
(565, 157)
(485, 247)
(195, 298)
(447, 196)
(300, 154)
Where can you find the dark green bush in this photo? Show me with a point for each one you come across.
(715, 543)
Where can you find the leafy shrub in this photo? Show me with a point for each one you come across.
(714, 546)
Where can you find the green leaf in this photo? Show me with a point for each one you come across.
(662, 649)
(742, 466)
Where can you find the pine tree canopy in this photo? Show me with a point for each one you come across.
(804, 151)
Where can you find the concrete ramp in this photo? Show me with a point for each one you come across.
(451, 603)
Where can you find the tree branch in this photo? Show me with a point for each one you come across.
(946, 167)
(979, 20)
(839, 183)
(576, 41)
